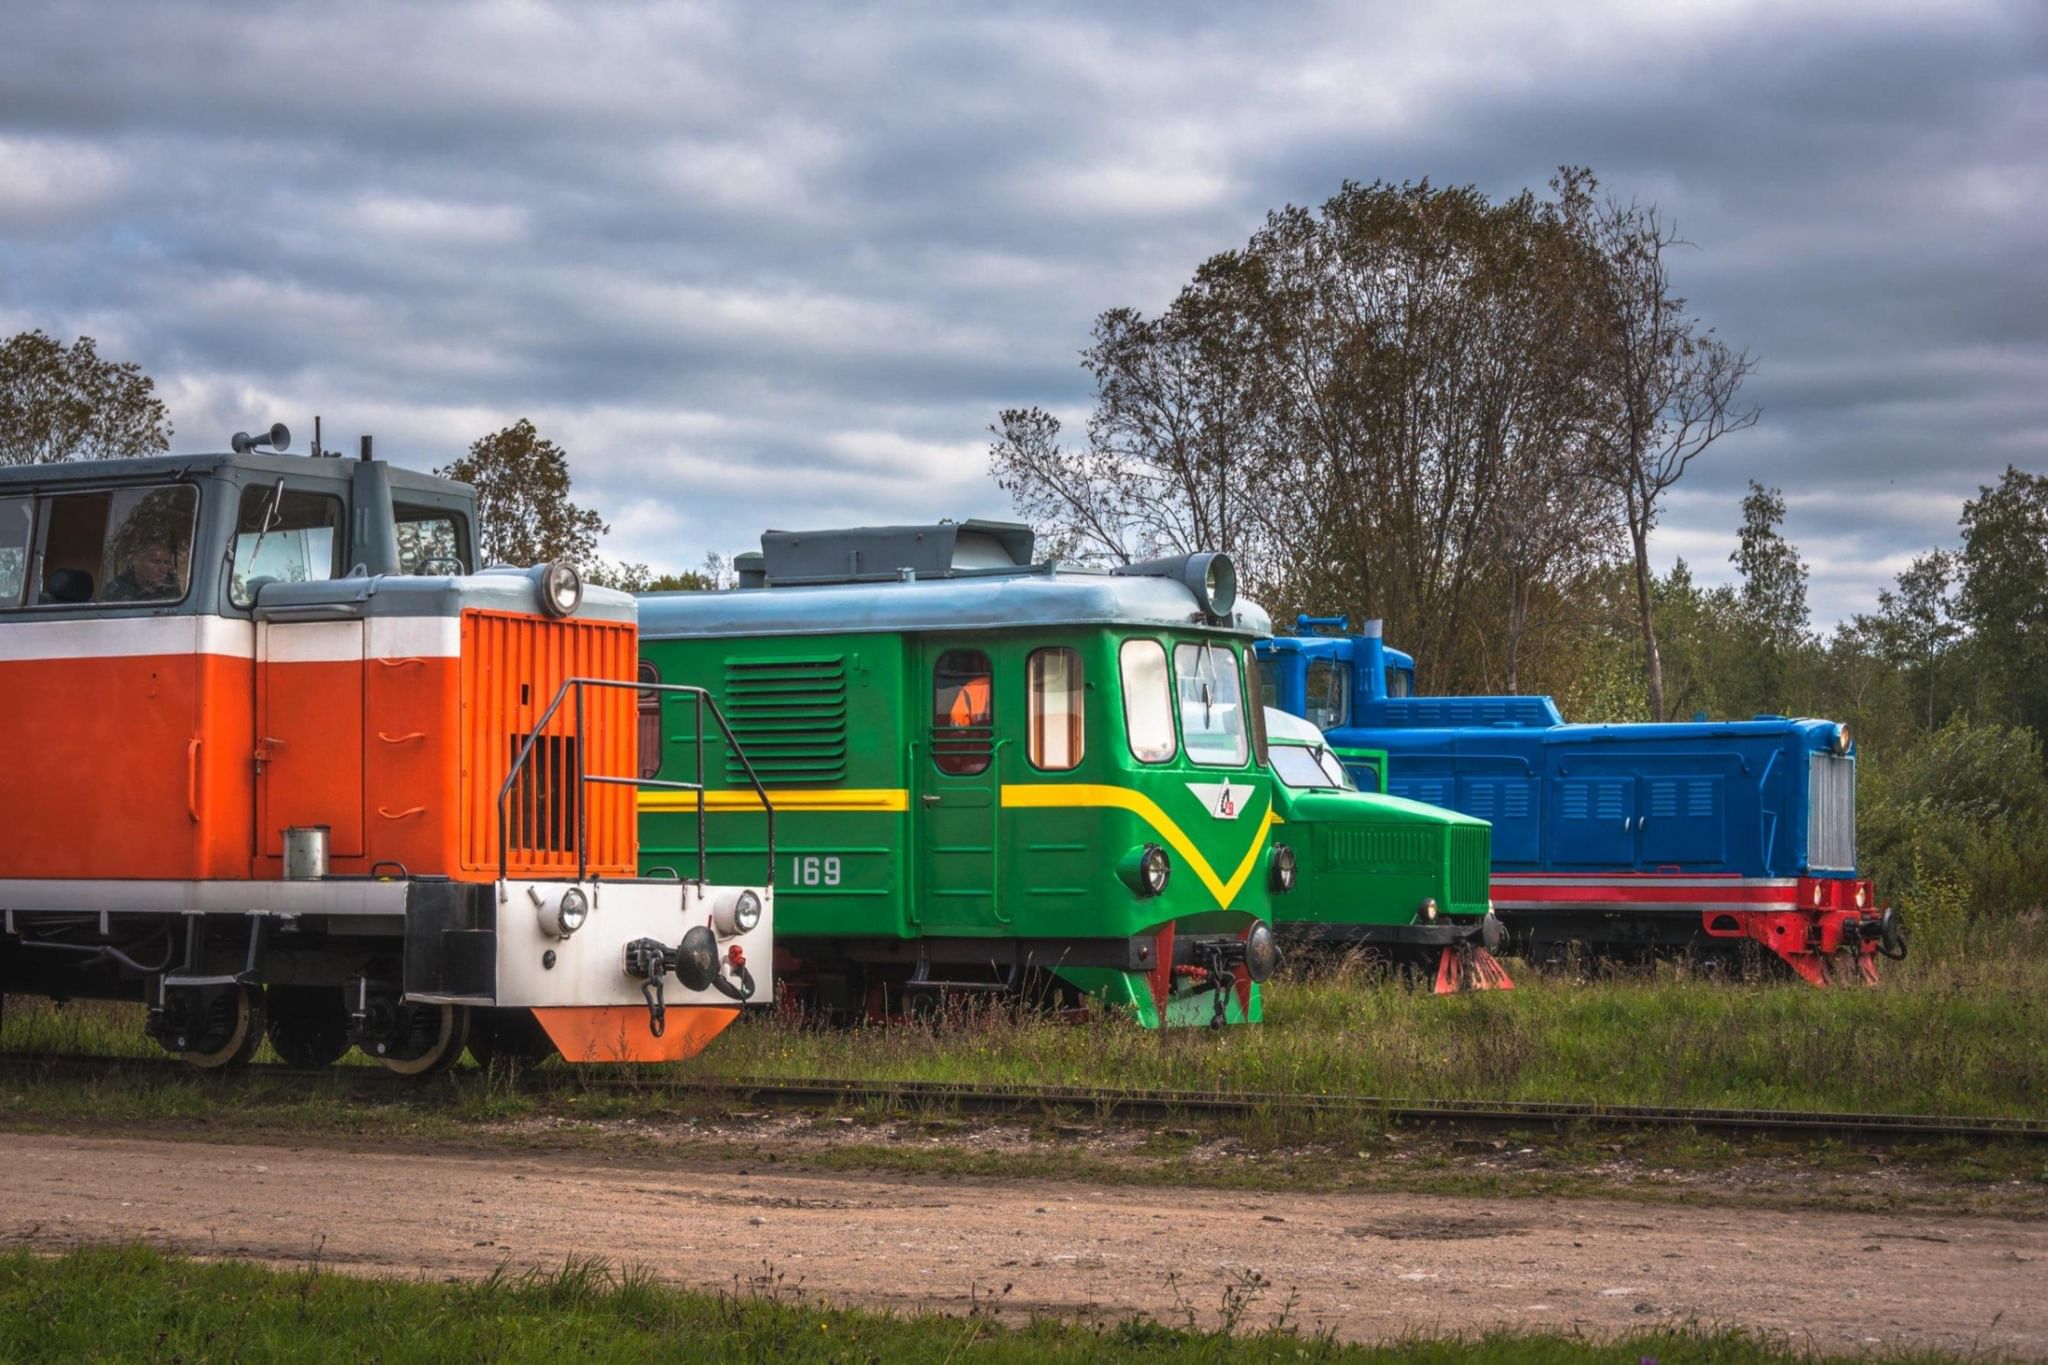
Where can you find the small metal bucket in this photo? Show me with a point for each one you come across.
(305, 853)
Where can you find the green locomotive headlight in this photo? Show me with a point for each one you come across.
(1261, 952)
(1282, 862)
(1146, 870)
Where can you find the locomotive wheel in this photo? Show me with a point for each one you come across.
(308, 1025)
(508, 1038)
(233, 1031)
(432, 1040)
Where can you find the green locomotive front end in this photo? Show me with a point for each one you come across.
(988, 775)
(1403, 882)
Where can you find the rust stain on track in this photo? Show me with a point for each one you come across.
(1367, 1266)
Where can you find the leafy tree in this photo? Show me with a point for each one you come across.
(1671, 385)
(61, 402)
(1915, 626)
(640, 578)
(2005, 589)
(524, 515)
(1773, 575)
(1380, 406)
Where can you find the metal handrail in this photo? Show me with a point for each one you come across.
(584, 777)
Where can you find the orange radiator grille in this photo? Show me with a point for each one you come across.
(511, 668)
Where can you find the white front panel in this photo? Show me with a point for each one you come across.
(589, 965)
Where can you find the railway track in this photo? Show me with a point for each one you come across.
(1107, 1104)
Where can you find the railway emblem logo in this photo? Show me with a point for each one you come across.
(1220, 797)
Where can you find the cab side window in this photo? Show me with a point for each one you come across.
(1256, 688)
(1327, 695)
(431, 540)
(1148, 701)
(116, 548)
(17, 534)
(148, 554)
(287, 536)
(650, 721)
(1211, 703)
(963, 712)
(1057, 737)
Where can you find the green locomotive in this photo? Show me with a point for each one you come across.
(988, 774)
(1404, 882)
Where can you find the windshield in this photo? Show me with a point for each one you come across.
(1211, 703)
(1304, 767)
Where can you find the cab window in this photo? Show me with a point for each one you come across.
(1054, 684)
(1400, 682)
(1148, 701)
(127, 546)
(431, 540)
(1299, 766)
(650, 721)
(1212, 720)
(1328, 693)
(963, 712)
(284, 535)
(1254, 686)
(17, 533)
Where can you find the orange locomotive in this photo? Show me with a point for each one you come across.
(282, 765)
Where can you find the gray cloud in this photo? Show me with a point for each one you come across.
(763, 266)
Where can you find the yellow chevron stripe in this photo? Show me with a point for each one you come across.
(1076, 795)
(850, 799)
(1025, 796)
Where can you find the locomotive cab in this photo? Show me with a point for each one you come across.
(1403, 882)
(287, 763)
(997, 776)
(1722, 838)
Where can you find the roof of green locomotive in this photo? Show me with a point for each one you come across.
(1011, 599)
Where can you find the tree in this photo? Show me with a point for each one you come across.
(524, 515)
(1172, 451)
(1671, 384)
(639, 578)
(61, 402)
(1381, 406)
(1915, 627)
(2005, 589)
(1773, 575)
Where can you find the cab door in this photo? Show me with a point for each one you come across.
(309, 718)
(955, 805)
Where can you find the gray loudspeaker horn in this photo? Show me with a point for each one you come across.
(277, 438)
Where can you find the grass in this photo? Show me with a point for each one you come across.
(1964, 1040)
(132, 1304)
(1965, 1035)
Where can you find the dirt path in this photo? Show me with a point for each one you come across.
(1367, 1266)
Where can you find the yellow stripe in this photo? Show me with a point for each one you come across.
(1032, 795)
(1078, 795)
(868, 799)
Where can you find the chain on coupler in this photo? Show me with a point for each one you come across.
(694, 962)
(651, 962)
(1224, 978)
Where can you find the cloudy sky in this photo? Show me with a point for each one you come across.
(763, 264)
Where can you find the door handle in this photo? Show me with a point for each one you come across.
(930, 798)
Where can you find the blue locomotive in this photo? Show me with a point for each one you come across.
(1628, 839)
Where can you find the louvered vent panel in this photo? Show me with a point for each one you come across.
(1831, 814)
(790, 717)
(512, 666)
(1355, 849)
(1471, 864)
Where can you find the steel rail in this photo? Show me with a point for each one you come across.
(1104, 1102)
